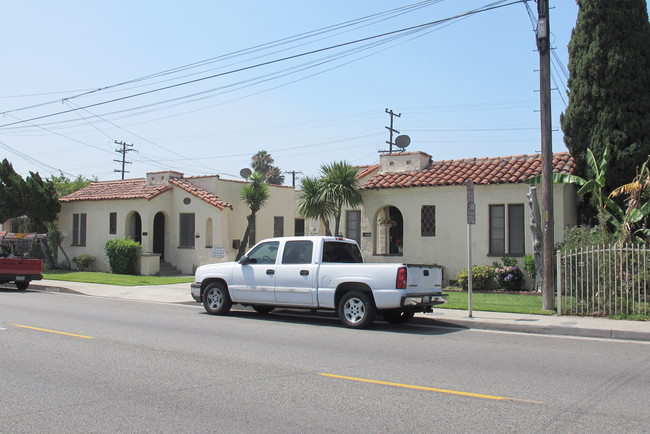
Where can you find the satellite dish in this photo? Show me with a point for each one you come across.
(245, 173)
(402, 141)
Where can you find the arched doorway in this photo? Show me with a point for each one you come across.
(159, 234)
(389, 231)
(134, 227)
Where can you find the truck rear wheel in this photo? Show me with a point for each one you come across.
(398, 316)
(216, 299)
(22, 285)
(356, 310)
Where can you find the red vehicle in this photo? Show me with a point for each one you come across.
(14, 265)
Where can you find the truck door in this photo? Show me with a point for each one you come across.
(255, 280)
(294, 282)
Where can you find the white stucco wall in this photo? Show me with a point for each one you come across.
(449, 246)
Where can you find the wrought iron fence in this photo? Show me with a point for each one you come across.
(604, 280)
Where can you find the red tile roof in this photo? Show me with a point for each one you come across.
(366, 170)
(117, 190)
(482, 171)
(200, 193)
(138, 189)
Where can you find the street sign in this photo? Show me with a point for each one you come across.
(471, 213)
(470, 191)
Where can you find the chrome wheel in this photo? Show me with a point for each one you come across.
(356, 310)
(216, 299)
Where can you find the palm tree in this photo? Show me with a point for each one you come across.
(255, 196)
(274, 176)
(262, 162)
(311, 205)
(340, 187)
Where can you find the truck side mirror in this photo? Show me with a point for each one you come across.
(243, 260)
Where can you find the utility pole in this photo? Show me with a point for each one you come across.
(293, 176)
(544, 47)
(123, 151)
(391, 129)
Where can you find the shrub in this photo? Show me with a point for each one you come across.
(582, 236)
(481, 277)
(508, 275)
(84, 262)
(122, 255)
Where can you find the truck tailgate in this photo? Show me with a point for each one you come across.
(424, 278)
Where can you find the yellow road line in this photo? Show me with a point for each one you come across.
(52, 331)
(429, 389)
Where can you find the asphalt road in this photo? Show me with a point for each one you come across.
(74, 363)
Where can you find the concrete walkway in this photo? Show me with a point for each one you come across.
(524, 323)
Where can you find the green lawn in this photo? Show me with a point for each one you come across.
(496, 302)
(112, 279)
(493, 301)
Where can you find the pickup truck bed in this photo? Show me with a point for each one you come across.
(20, 271)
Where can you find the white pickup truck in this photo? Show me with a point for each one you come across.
(319, 272)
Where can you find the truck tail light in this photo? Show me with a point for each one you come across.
(401, 278)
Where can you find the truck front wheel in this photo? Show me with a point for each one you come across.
(216, 299)
(356, 310)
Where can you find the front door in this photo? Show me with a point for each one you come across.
(294, 281)
(159, 235)
(254, 281)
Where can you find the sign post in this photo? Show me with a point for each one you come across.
(471, 220)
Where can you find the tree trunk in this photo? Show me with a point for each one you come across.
(244, 241)
(536, 235)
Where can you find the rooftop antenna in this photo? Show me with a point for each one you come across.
(391, 129)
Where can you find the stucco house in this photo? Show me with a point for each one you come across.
(415, 209)
(185, 222)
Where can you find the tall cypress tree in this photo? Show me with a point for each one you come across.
(609, 87)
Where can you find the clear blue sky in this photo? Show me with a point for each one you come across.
(465, 88)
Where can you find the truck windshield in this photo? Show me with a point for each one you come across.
(335, 251)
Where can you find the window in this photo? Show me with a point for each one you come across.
(337, 251)
(79, 229)
(112, 223)
(186, 237)
(299, 227)
(428, 221)
(265, 253)
(353, 225)
(515, 230)
(297, 252)
(278, 226)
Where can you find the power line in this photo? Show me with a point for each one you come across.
(490, 7)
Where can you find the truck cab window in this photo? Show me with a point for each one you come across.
(297, 252)
(264, 253)
(341, 252)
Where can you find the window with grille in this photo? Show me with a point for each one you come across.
(278, 226)
(428, 221)
(112, 223)
(186, 235)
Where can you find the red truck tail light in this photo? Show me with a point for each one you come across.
(401, 278)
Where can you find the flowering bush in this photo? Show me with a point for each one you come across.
(481, 276)
(507, 275)
(389, 223)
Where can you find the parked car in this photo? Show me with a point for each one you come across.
(319, 272)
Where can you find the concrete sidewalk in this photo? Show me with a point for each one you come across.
(523, 323)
